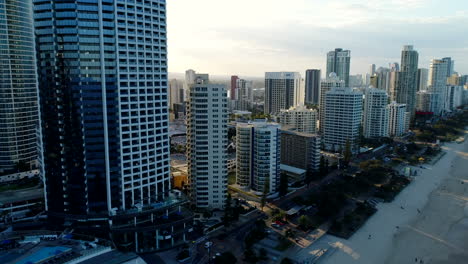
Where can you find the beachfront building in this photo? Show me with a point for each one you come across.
(258, 155)
(425, 101)
(437, 83)
(300, 150)
(398, 119)
(300, 118)
(105, 128)
(375, 117)
(453, 97)
(207, 143)
(406, 82)
(343, 114)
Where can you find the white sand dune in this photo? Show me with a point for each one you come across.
(432, 227)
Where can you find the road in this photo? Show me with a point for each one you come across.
(232, 240)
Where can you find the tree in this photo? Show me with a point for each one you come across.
(322, 169)
(347, 153)
(266, 188)
(304, 222)
(283, 186)
(327, 166)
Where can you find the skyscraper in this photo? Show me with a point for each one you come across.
(343, 114)
(406, 85)
(450, 66)
(234, 79)
(375, 113)
(258, 155)
(282, 90)
(423, 75)
(339, 62)
(19, 112)
(437, 83)
(207, 143)
(326, 85)
(104, 110)
(312, 86)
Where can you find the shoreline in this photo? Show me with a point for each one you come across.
(382, 237)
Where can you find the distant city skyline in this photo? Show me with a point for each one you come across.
(249, 38)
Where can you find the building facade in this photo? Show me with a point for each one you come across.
(423, 77)
(300, 118)
(375, 119)
(282, 90)
(453, 97)
(244, 93)
(437, 83)
(176, 93)
(19, 110)
(300, 150)
(398, 119)
(258, 153)
(339, 62)
(312, 86)
(326, 85)
(425, 100)
(207, 144)
(233, 93)
(406, 83)
(104, 111)
(343, 114)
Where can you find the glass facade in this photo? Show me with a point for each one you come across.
(18, 86)
(103, 90)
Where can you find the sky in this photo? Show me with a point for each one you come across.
(251, 37)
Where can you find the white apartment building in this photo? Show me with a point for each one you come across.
(453, 97)
(437, 82)
(282, 90)
(398, 119)
(375, 120)
(258, 156)
(206, 143)
(425, 101)
(300, 118)
(343, 114)
(326, 85)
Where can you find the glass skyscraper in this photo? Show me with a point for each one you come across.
(18, 86)
(103, 90)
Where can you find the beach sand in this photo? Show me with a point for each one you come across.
(439, 234)
(428, 220)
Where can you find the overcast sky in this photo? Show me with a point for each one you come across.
(250, 37)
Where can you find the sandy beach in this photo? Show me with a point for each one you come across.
(428, 220)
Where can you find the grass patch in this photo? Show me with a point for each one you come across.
(351, 222)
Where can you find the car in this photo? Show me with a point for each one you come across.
(275, 226)
(208, 244)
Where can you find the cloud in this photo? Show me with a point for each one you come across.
(251, 37)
